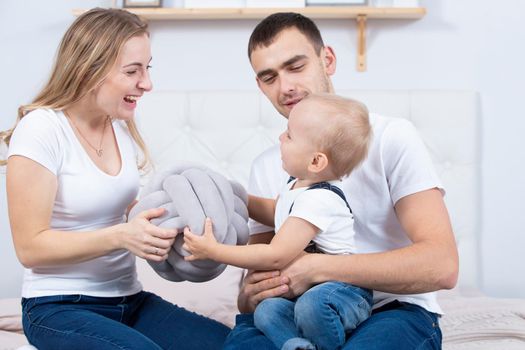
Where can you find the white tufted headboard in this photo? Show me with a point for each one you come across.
(226, 130)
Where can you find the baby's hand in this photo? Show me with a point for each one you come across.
(200, 247)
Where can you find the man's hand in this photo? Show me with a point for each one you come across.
(300, 274)
(259, 285)
(291, 282)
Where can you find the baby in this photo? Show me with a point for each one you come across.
(327, 137)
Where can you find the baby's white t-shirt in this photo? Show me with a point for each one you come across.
(322, 208)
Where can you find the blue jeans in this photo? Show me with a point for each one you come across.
(140, 321)
(394, 326)
(321, 318)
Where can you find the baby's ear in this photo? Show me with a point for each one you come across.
(318, 163)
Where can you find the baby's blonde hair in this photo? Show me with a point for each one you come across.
(87, 53)
(343, 131)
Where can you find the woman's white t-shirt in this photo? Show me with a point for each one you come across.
(87, 199)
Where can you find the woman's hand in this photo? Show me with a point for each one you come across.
(200, 247)
(146, 240)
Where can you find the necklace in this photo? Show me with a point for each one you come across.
(99, 151)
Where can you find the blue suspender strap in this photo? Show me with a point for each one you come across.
(335, 189)
(327, 186)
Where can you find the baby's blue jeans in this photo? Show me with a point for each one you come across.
(321, 318)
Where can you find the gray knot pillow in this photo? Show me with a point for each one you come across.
(190, 193)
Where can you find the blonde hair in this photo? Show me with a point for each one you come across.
(87, 53)
(344, 132)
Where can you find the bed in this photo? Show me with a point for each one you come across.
(227, 129)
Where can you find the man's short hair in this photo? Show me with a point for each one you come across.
(268, 29)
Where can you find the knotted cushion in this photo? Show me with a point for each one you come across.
(190, 193)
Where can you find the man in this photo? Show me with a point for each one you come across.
(401, 222)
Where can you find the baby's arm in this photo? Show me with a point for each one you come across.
(287, 244)
(262, 210)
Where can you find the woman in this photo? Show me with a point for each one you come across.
(76, 145)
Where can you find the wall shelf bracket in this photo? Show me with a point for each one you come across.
(361, 43)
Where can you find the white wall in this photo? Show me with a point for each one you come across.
(469, 44)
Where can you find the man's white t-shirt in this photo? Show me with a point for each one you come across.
(397, 165)
(87, 199)
(325, 210)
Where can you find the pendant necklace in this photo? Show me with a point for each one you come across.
(99, 151)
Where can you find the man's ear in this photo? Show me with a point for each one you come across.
(329, 59)
(318, 163)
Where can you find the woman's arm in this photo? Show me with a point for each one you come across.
(262, 209)
(286, 245)
(31, 191)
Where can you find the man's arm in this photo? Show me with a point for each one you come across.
(262, 210)
(430, 263)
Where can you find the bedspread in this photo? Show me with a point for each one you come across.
(482, 323)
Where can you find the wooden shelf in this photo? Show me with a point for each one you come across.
(361, 14)
(332, 12)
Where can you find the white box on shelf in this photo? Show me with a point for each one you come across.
(213, 3)
(275, 3)
(382, 3)
(406, 3)
(335, 2)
